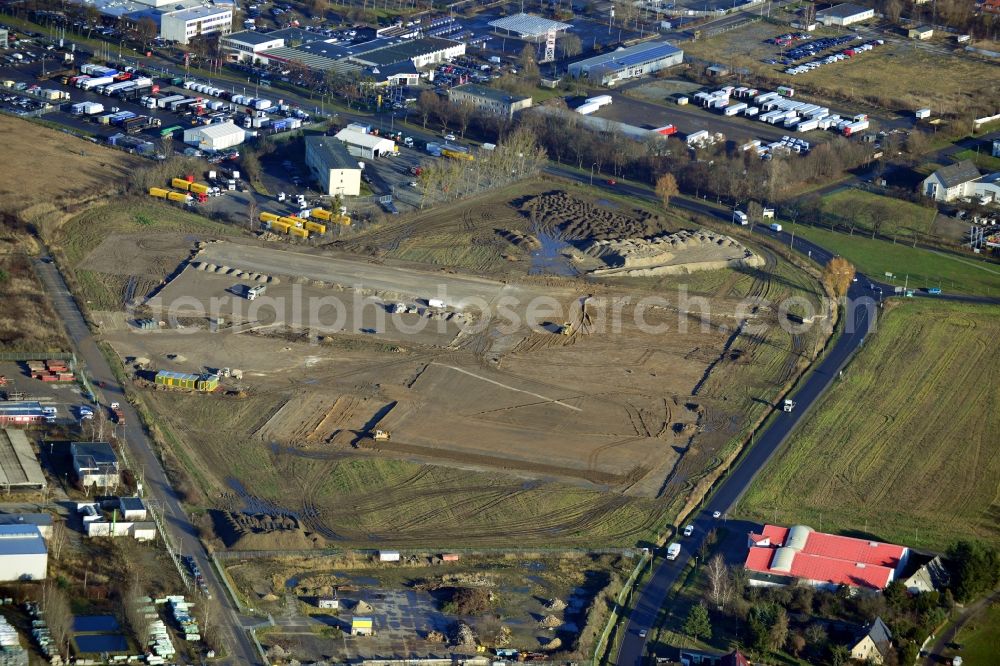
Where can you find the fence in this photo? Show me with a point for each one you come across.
(620, 604)
(39, 356)
(328, 552)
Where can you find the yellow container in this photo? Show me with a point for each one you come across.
(344, 220)
(316, 227)
(321, 214)
(199, 188)
(180, 184)
(283, 227)
(269, 217)
(177, 196)
(301, 233)
(158, 192)
(292, 221)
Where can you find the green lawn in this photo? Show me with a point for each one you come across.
(903, 447)
(980, 638)
(982, 158)
(925, 267)
(904, 218)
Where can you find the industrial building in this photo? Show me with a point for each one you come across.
(21, 413)
(844, 14)
(333, 166)
(489, 100)
(23, 554)
(960, 181)
(184, 380)
(920, 32)
(19, 468)
(366, 146)
(786, 555)
(131, 508)
(610, 68)
(43, 521)
(95, 464)
(184, 25)
(217, 136)
(245, 46)
(527, 26)
(421, 52)
(402, 56)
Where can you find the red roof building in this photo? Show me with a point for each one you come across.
(778, 555)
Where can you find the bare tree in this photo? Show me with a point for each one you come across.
(58, 616)
(719, 587)
(59, 537)
(837, 276)
(570, 46)
(132, 596)
(427, 104)
(463, 115)
(252, 210)
(666, 188)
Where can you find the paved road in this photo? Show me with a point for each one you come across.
(182, 533)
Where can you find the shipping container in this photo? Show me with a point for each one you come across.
(321, 214)
(268, 217)
(183, 197)
(199, 188)
(315, 227)
(159, 192)
(180, 184)
(301, 233)
(279, 226)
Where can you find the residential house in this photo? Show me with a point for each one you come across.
(874, 646)
(959, 181)
(931, 576)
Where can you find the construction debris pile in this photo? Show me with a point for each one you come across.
(670, 254)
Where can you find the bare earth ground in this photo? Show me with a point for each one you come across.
(497, 432)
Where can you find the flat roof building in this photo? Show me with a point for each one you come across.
(19, 466)
(844, 14)
(333, 166)
(635, 61)
(21, 413)
(362, 626)
(421, 52)
(527, 26)
(95, 463)
(43, 521)
(23, 554)
(781, 555)
(245, 46)
(184, 25)
(489, 100)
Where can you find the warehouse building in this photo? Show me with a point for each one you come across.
(639, 60)
(333, 167)
(421, 52)
(844, 14)
(366, 146)
(95, 464)
(184, 25)
(217, 136)
(21, 413)
(19, 468)
(787, 555)
(489, 100)
(527, 26)
(23, 554)
(43, 521)
(246, 46)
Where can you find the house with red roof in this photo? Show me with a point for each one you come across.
(783, 555)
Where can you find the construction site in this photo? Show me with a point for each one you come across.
(563, 368)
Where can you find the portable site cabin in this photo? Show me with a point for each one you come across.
(362, 626)
(183, 380)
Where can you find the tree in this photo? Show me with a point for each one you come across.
(778, 633)
(252, 210)
(839, 655)
(58, 539)
(463, 115)
(878, 215)
(666, 187)
(58, 616)
(974, 568)
(755, 212)
(816, 635)
(135, 617)
(528, 64)
(837, 276)
(146, 29)
(570, 46)
(796, 643)
(698, 625)
(718, 581)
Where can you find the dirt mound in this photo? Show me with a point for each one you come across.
(520, 239)
(462, 635)
(550, 622)
(363, 608)
(667, 254)
(552, 645)
(435, 637)
(246, 531)
(578, 219)
(555, 605)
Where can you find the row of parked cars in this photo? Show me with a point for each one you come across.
(21, 106)
(834, 57)
(196, 573)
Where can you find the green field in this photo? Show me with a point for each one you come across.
(904, 447)
(980, 637)
(902, 218)
(926, 268)
(982, 159)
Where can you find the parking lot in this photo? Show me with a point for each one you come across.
(65, 397)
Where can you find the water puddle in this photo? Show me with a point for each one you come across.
(551, 258)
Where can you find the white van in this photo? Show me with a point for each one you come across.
(739, 217)
(775, 226)
(673, 550)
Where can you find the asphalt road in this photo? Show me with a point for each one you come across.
(182, 533)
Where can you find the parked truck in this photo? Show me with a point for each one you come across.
(117, 415)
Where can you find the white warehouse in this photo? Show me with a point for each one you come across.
(608, 69)
(844, 14)
(333, 166)
(217, 136)
(23, 554)
(366, 146)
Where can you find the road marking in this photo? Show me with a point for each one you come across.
(511, 388)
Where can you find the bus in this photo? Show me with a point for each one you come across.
(170, 130)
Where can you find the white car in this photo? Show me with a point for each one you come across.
(689, 530)
(449, 137)
(716, 514)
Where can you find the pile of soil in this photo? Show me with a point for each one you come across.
(520, 239)
(468, 600)
(577, 219)
(555, 605)
(363, 608)
(246, 531)
(436, 637)
(552, 645)
(462, 635)
(550, 622)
